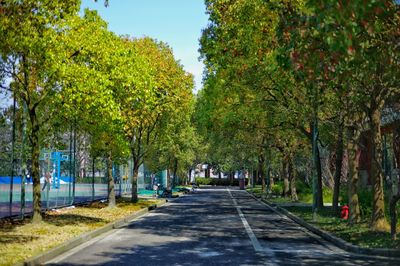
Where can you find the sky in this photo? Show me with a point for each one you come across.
(176, 22)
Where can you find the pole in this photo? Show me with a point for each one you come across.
(108, 177)
(74, 167)
(70, 165)
(385, 157)
(25, 171)
(93, 172)
(314, 154)
(12, 157)
(268, 178)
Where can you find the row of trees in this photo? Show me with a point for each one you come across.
(287, 79)
(130, 96)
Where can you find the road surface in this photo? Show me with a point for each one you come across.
(213, 227)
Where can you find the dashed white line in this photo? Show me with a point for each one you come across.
(254, 241)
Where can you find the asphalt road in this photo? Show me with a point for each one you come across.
(213, 227)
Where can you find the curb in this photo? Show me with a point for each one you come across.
(58, 250)
(329, 237)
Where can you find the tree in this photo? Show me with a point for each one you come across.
(250, 98)
(152, 85)
(32, 56)
(90, 89)
(362, 36)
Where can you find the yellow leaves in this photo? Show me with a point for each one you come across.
(27, 240)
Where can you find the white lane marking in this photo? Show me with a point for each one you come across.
(254, 241)
(272, 260)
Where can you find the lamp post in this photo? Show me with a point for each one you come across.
(315, 154)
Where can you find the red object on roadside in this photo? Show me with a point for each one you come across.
(344, 214)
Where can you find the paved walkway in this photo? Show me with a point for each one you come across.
(213, 227)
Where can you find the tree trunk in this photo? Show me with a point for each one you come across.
(396, 147)
(207, 172)
(396, 196)
(134, 181)
(393, 215)
(263, 183)
(168, 179)
(320, 198)
(111, 185)
(256, 177)
(286, 189)
(292, 180)
(189, 176)
(378, 219)
(338, 166)
(34, 136)
(174, 173)
(354, 207)
(267, 177)
(271, 178)
(261, 161)
(219, 175)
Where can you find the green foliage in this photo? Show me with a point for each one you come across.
(127, 96)
(277, 188)
(217, 181)
(365, 197)
(275, 67)
(358, 234)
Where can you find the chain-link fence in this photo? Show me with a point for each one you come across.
(69, 174)
(69, 171)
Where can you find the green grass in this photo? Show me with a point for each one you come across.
(358, 234)
(304, 194)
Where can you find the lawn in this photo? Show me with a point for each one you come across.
(20, 240)
(359, 234)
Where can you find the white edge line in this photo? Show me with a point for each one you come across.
(254, 241)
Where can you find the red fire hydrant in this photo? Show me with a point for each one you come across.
(344, 214)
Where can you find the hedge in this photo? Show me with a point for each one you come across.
(218, 181)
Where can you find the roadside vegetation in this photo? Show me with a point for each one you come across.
(21, 239)
(359, 234)
(303, 97)
(68, 76)
(328, 220)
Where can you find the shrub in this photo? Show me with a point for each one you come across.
(303, 188)
(202, 181)
(365, 197)
(277, 188)
(217, 181)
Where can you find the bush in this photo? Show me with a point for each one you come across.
(302, 187)
(217, 181)
(202, 181)
(365, 197)
(277, 188)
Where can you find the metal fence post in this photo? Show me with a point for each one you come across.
(12, 157)
(70, 166)
(74, 167)
(93, 173)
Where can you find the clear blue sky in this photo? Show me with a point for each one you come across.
(176, 22)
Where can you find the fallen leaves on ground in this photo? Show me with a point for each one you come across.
(20, 240)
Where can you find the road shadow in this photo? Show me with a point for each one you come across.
(206, 231)
(64, 219)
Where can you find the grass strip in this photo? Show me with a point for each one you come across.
(358, 234)
(20, 240)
